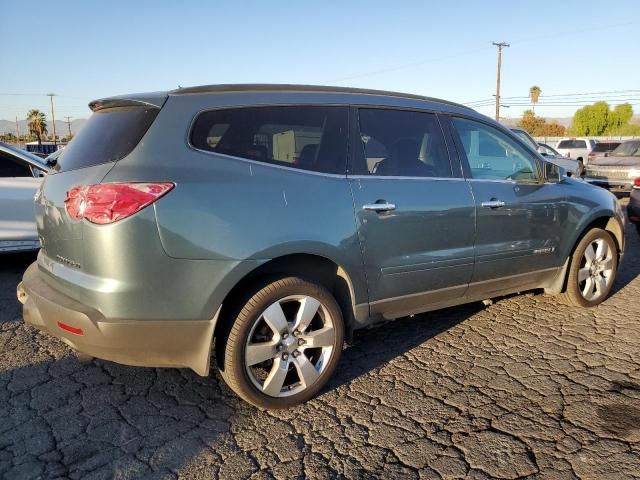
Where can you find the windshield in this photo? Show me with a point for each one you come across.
(23, 153)
(549, 151)
(524, 136)
(627, 149)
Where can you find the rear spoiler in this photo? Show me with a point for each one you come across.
(154, 100)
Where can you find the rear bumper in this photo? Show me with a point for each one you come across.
(148, 343)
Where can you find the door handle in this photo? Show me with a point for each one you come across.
(379, 207)
(493, 204)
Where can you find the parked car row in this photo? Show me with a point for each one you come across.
(266, 223)
(618, 170)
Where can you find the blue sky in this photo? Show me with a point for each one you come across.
(86, 50)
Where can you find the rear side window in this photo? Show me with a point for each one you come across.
(108, 136)
(572, 144)
(305, 137)
(402, 143)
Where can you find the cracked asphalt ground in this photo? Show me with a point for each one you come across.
(524, 388)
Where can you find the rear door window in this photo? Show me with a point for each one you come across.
(402, 143)
(108, 136)
(306, 137)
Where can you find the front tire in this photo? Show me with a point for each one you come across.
(594, 264)
(284, 344)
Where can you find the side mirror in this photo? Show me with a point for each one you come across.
(553, 173)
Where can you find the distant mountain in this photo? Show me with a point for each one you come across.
(62, 130)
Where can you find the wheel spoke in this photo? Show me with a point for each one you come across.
(260, 352)
(587, 291)
(583, 274)
(274, 382)
(308, 309)
(274, 316)
(607, 264)
(601, 284)
(319, 338)
(306, 371)
(602, 249)
(590, 253)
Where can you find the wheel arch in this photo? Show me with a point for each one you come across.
(313, 267)
(606, 221)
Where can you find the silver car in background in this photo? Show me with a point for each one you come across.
(20, 177)
(571, 166)
(617, 171)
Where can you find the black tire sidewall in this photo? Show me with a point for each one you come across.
(235, 343)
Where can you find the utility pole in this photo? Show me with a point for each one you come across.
(500, 46)
(17, 130)
(53, 117)
(69, 125)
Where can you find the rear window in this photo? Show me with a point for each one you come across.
(572, 144)
(605, 147)
(305, 137)
(108, 136)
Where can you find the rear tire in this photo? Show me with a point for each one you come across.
(594, 264)
(283, 345)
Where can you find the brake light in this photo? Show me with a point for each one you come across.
(109, 202)
(636, 183)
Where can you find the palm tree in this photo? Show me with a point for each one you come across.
(534, 94)
(37, 123)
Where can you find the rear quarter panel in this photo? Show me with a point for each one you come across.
(225, 208)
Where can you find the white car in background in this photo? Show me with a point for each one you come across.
(21, 174)
(576, 148)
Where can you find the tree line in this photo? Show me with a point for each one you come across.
(591, 120)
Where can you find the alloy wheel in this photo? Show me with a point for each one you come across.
(289, 346)
(596, 270)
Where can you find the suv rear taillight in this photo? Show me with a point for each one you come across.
(109, 202)
(636, 183)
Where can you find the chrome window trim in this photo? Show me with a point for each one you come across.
(391, 177)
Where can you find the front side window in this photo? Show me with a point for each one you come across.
(402, 143)
(492, 155)
(306, 137)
